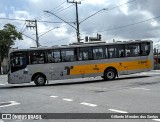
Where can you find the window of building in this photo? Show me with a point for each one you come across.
(132, 50)
(98, 53)
(85, 53)
(67, 55)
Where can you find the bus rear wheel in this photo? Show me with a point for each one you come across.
(39, 80)
(109, 74)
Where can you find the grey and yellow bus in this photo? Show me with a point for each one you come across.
(108, 60)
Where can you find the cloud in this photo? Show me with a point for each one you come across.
(126, 14)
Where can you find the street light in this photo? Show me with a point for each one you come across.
(78, 23)
(77, 29)
(61, 19)
(93, 14)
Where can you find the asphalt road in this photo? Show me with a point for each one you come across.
(138, 93)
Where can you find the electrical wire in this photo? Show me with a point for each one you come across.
(40, 17)
(124, 26)
(106, 10)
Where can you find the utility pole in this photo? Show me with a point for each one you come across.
(77, 19)
(33, 24)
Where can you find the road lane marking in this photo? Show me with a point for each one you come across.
(69, 100)
(11, 104)
(150, 73)
(142, 89)
(54, 96)
(88, 104)
(156, 120)
(118, 111)
(2, 84)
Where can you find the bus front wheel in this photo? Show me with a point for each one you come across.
(109, 74)
(39, 80)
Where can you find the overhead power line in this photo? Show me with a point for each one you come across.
(106, 9)
(51, 10)
(22, 29)
(60, 10)
(48, 31)
(37, 21)
(124, 26)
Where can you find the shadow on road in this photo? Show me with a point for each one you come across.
(75, 83)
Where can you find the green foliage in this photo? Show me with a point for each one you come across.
(7, 37)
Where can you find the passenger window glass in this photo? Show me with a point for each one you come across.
(19, 61)
(67, 55)
(85, 54)
(106, 52)
(37, 57)
(112, 51)
(116, 51)
(145, 49)
(54, 56)
(132, 50)
(98, 53)
(120, 50)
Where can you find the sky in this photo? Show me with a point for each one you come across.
(122, 20)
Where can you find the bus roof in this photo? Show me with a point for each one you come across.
(74, 45)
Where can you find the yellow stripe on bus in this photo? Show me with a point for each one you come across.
(120, 66)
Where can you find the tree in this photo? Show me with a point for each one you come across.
(7, 37)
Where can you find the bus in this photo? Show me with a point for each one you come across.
(108, 60)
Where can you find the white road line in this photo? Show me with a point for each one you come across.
(12, 103)
(150, 73)
(88, 104)
(156, 120)
(69, 100)
(54, 96)
(142, 89)
(2, 84)
(118, 111)
(1, 120)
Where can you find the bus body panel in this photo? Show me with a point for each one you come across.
(82, 69)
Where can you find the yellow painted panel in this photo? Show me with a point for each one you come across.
(120, 66)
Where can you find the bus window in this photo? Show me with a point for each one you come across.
(37, 57)
(145, 49)
(67, 55)
(106, 52)
(116, 51)
(121, 50)
(56, 56)
(18, 61)
(132, 50)
(53, 56)
(112, 51)
(85, 53)
(98, 53)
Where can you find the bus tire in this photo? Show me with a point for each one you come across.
(109, 74)
(40, 80)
